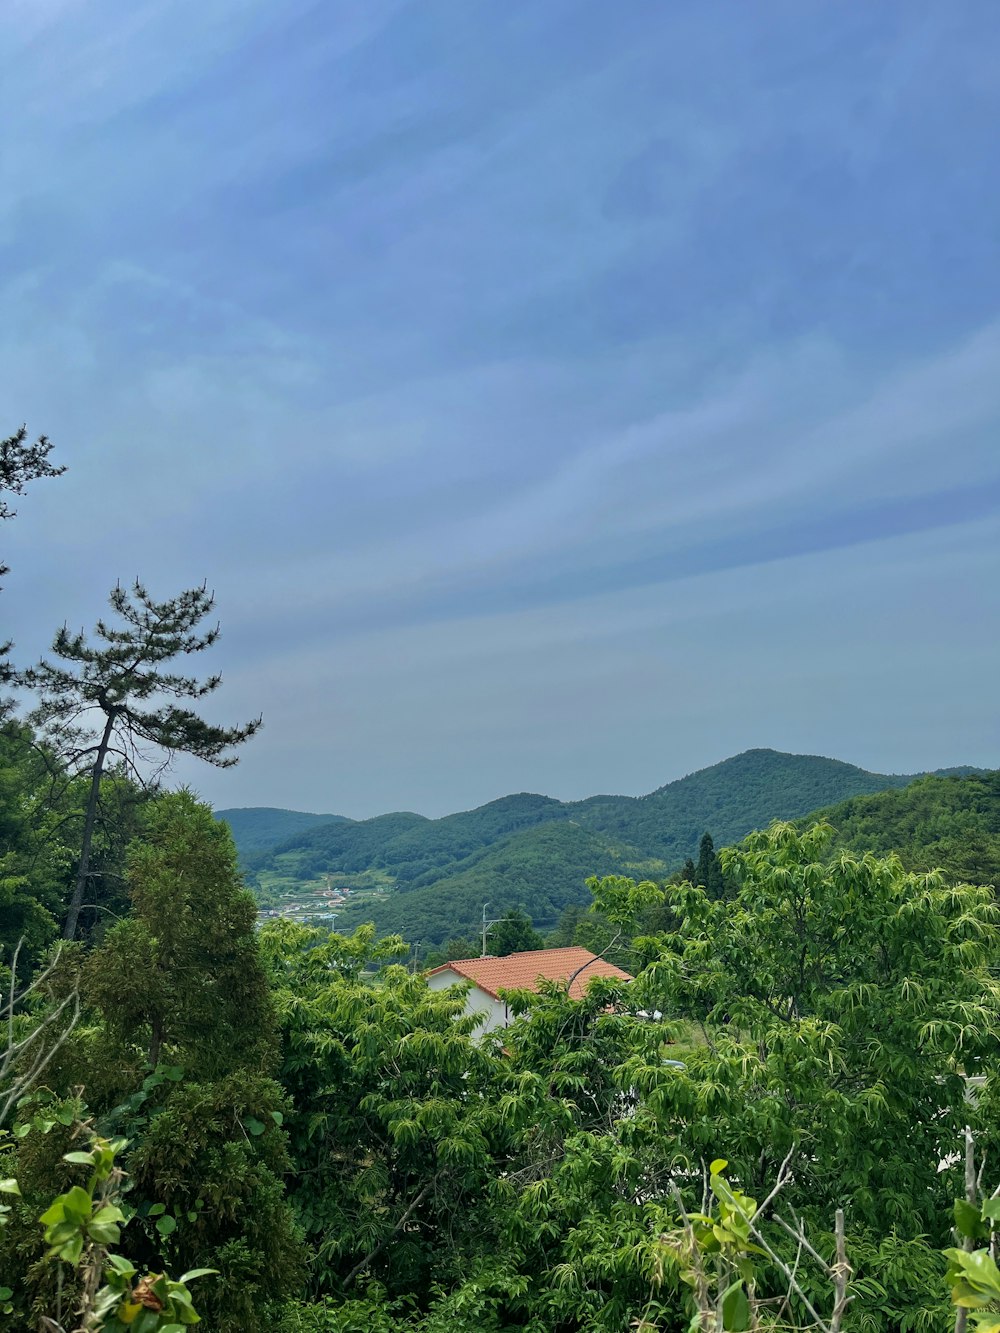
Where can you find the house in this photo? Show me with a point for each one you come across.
(519, 971)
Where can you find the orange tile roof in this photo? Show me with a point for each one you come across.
(522, 971)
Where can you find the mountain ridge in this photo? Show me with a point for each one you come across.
(425, 877)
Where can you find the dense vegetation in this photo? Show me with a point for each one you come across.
(536, 852)
(783, 1121)
(341, 1149)
(952, 823)
(263, 827)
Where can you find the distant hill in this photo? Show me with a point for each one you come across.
(949, 823)
(729, 799)
(428, 878)
(257, 827)
(543, 869)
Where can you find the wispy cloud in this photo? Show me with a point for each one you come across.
(424, 321)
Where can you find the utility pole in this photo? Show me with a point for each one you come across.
(487, 922)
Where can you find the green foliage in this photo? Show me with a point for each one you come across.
(34, 860)
(708, 872)
(513, 933)
(293, 1082)
(392, 1100)
(974, 1282)
(190, 917)
(177, 1048)
(841, 1005)
(82, 1225)
(937, 823)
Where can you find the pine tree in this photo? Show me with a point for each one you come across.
(114, 698)
(513, 934)
(708, 872)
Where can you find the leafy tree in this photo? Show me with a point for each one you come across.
(177, 1052)
(459, 947)
(394, 1108)
(34, 862)
(190, 918)
(112, 699)
(565, 932)
(838, 1007)
(947, 823)
(513, 934)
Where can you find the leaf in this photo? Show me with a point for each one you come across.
(254, 1126)
(9, 1186)
(166, 1225)
(192, 1273)
(157, 1209)
(79, 1158)
(968, 1221)
(736, 1309)
(718, 1166)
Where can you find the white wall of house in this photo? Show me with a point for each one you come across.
(493, 1012)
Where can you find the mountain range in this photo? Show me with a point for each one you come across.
(429, 878)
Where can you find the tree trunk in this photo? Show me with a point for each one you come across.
(83, 872)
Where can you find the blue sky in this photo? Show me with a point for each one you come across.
(559, 396)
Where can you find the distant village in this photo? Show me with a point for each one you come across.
(308, 904)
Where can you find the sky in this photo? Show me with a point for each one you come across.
(558, 396)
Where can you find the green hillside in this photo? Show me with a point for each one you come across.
(429, 877)
(542, 869)
(416, 850)
(255, 828)
(729, 799)
(948, 823)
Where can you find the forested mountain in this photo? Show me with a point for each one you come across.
(729, 798)
(542, 869)
(433, 875)
(949, 823)
(258, 827)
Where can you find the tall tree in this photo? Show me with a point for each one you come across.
(177, 1053)
(841, 1005)
(111, 699)
(203, 1000)
(708, 871)
(513, 934)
